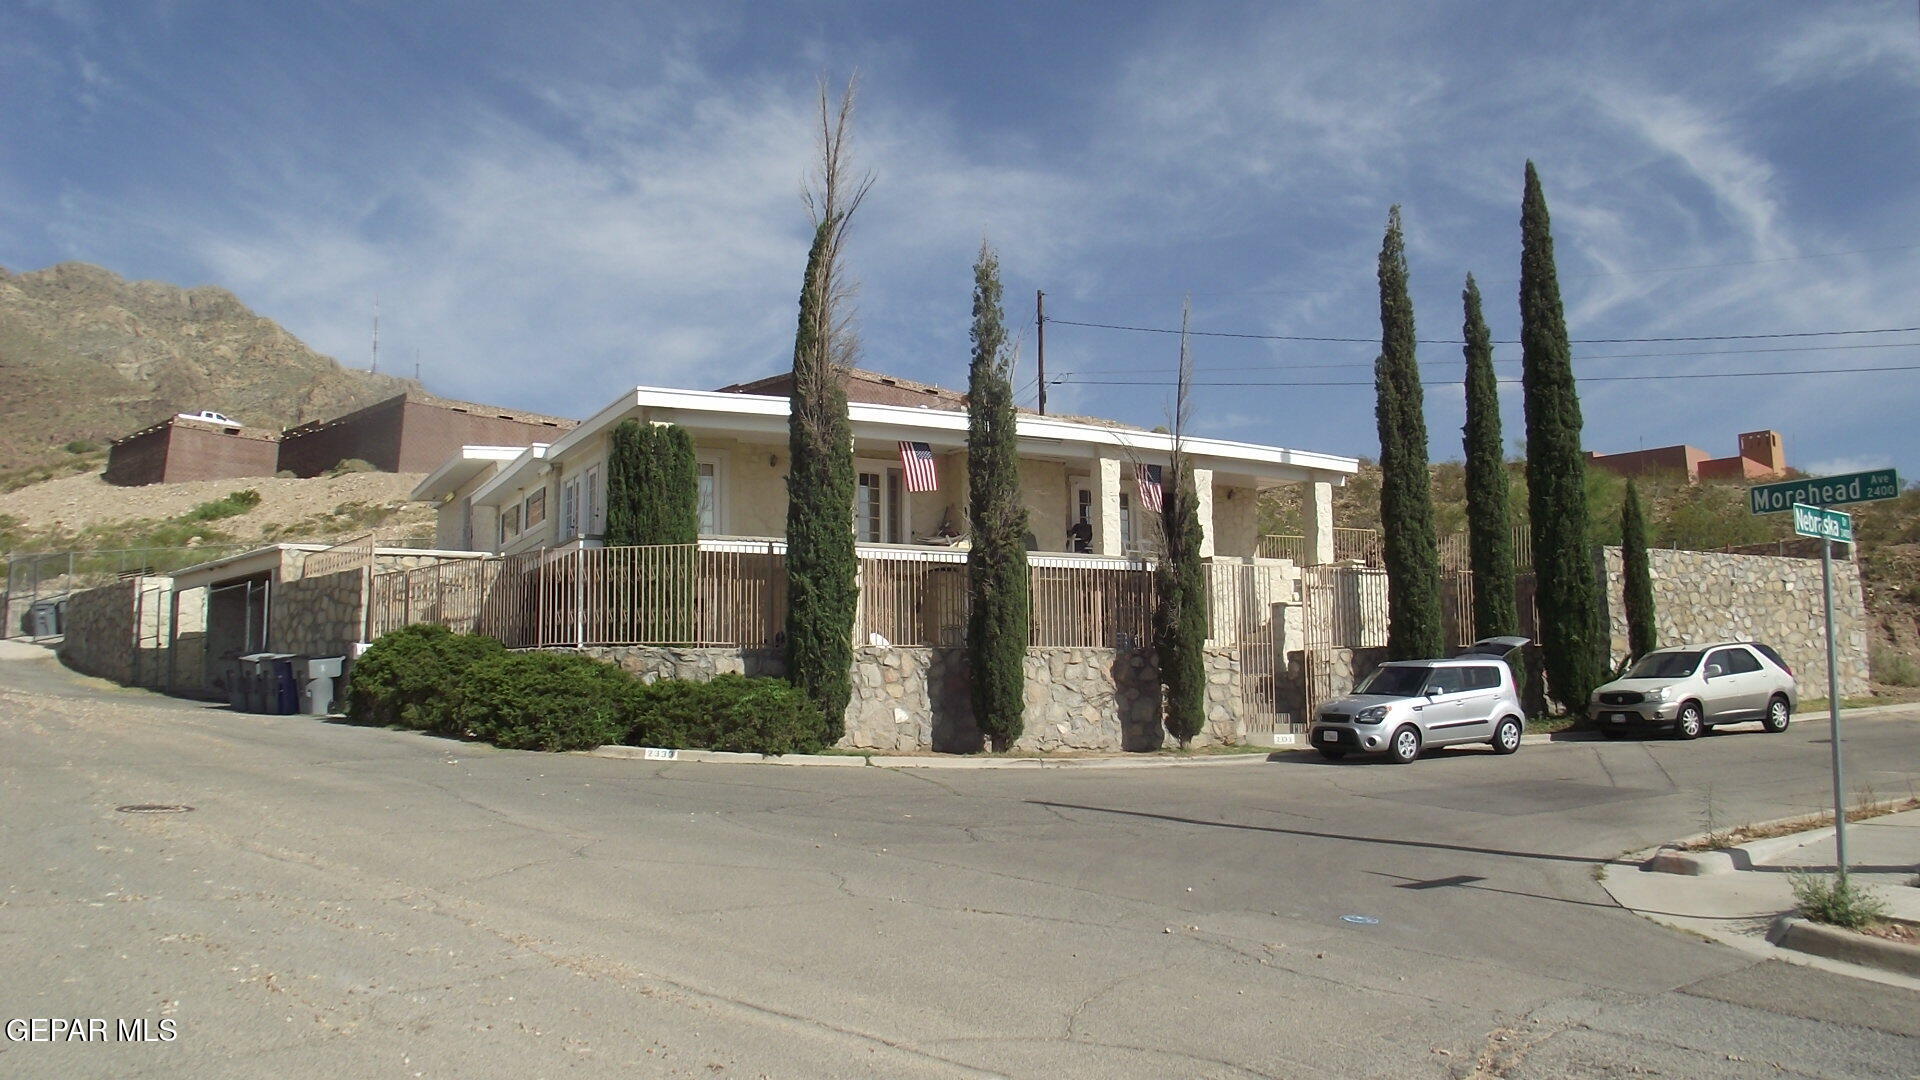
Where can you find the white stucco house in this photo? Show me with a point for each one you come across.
(1082, 478)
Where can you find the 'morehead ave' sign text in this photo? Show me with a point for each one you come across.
(1824, 491)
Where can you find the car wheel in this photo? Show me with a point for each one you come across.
(1688, 725)
(1506, 736)
(1779, 713)
(1332, 754)
(1406, 745)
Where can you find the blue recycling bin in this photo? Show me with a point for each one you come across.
(286, 692)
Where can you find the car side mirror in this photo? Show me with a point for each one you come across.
(1432, 691)
(1714, 671)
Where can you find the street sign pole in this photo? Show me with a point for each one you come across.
(1833, 717)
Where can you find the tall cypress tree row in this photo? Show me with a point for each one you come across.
(1414, 627)
(1566, 589)
(1489, 535)
(1642, 637)
(998, 620)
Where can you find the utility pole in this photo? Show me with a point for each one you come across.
(1040, 342)
(374, 366)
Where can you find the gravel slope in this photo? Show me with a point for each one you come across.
(75, 502)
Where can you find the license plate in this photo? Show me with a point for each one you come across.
(1329, 736)
(1619, 718)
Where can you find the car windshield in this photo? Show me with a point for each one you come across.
(1394, 682)
(1672, 665)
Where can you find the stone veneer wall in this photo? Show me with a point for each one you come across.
(127, 632)
(917, 698)
(1702, 596)
(318, 616)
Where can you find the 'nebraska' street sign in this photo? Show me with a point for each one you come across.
(1824, 491)
(1823, 524)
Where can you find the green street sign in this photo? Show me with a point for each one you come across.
(1824, 491)
(1822, 524)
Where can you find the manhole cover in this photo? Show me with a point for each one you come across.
(1360, 920)
(153, 808)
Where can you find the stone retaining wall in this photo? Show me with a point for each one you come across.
(130, 633)
(907, 698)
(318, 616)
(1704, 596)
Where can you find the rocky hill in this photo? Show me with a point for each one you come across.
(87, 356)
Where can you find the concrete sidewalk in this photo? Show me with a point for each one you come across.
(1743, 896)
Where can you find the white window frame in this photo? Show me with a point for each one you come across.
(570, 508)
(595, 503)
(892, 481)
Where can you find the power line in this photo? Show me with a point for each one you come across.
(1516, 360)
(1449, 382)
(1501, 341)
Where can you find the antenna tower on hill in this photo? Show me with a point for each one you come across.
(374, 366)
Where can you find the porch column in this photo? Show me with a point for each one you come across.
(1318, 504)
(1203, 506)
(1106, 496)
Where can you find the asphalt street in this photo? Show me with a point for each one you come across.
(355, 901)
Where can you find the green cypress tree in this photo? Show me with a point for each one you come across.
(1642, 638)
(1408, 542)
(626, 465)
(1180, 607)
(1566, 590)
(999, 617)
(1489, 534)
(1180, 629)
(822, 568)
(652, 490)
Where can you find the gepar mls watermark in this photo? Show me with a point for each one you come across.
(65, 1029)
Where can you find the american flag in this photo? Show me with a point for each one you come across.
(916, 459)
(1148, 477)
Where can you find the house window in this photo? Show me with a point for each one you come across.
(1126, 521)
(594, 512)
(867, 503)
(570, 509)
(509, 524)
(709, 498)
(536, 508)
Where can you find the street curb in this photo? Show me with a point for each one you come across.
(1559, 736)
(1793, 932)
(883, 761)
(1670, 859)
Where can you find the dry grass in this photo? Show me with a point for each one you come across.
(1718, 840)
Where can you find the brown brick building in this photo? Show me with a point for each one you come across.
(1761, 457)
(179, 449)
(410, 434)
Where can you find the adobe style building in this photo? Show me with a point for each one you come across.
(1760, 458)
(410, 433)
(180, 448)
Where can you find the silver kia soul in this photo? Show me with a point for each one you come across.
(1693, 688)
(1408, 706)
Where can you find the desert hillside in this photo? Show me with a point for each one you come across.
(87, 356)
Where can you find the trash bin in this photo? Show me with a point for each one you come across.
(317, 675)
(237, 676)
(43, 619)
(265, 689)
(284, 689)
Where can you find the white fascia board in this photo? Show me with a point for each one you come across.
(947, 428)
(459, 469)
(510, 472)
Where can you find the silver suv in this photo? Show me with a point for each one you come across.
(1408, 706)
(1695, 687)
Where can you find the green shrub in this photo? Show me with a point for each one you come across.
(81, 446)
(409, 675)
(1834, 902)
(1893, 667)
(541, 701)
(352, 465)
(229, 505)
(729, 712)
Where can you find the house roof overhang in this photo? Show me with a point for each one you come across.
(459, 470)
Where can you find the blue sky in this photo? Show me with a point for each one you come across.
(553, 202)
